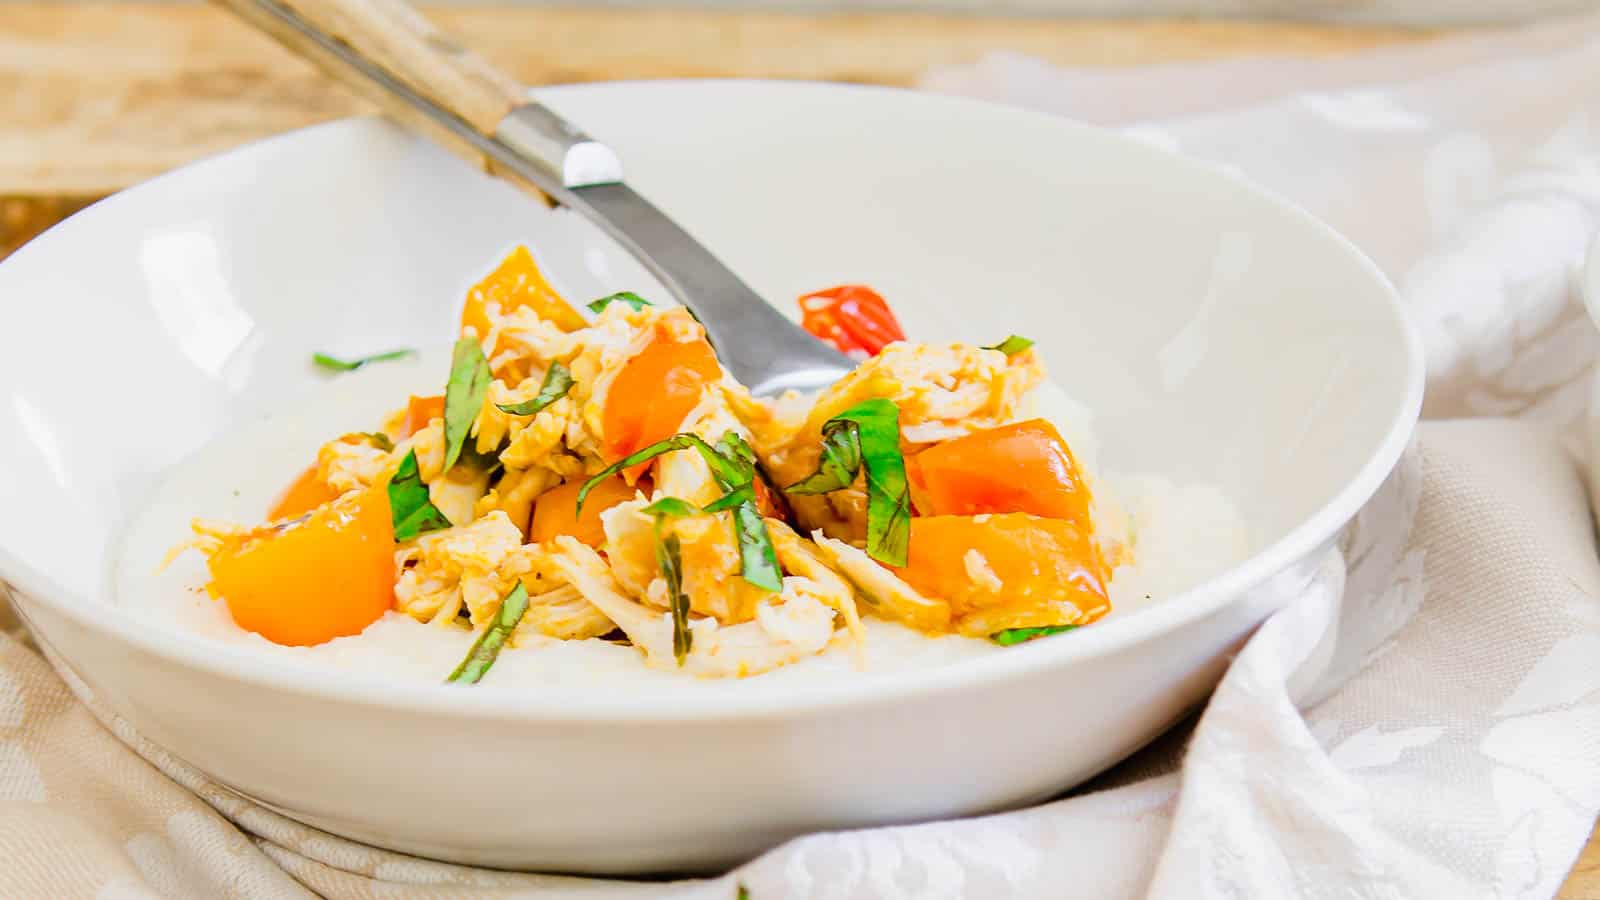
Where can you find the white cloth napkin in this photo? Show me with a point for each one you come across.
(1449, 748)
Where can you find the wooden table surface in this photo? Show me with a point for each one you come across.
(95, 97)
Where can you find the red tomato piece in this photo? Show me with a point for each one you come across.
(851, 317)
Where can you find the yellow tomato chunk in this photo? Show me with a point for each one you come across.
(515, 284)
(306, 493)
(329, 576)
(1007, 571)
(555, 512)
(653, 393)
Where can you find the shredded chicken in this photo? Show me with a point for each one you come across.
(577, 591)
(886, 594)
(780, 634)
(347, 465)
(471, 566)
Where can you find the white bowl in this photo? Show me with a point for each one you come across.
(1221, 335)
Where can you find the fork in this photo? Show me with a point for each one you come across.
(389, 53)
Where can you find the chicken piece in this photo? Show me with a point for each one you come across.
(469, 565)
(781, 633)
(887, 595)
(515, 494)
(555, 607)
(530, 441)
(352, 462)
(710, 555)
(428, 444)
(630, 546)
(563, 613)
(800, 557)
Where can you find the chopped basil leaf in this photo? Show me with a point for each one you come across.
(672, 508)
(742, 494)
(758, 559)
(1013, 636)
(645, 454)
(411, 509)
(744, 893)
(628, 297)
(735, 449)
(463, 395)
(1012, 345)
(380, 440)
(868, 434)
(557, 381)
(487, 646)
(487, 461)
(840, 462)
(733, 466)
(333, 363)
(669, 557)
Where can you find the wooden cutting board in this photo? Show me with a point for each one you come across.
(95, 97)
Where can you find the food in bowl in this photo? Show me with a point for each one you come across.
(594, 496)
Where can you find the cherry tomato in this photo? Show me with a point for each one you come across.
(852, 317)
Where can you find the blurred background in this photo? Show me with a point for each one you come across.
(102, 94)
(1393, 12)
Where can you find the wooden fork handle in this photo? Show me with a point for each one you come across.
(389, 53)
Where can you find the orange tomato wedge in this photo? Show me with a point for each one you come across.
(306, 493)
(1007, 571)
(329, 576)
(651, 395)
(554, 511)
(515, 284)
(1021, 468)
(419, 412)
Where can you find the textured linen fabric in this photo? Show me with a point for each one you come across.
(1423, 722)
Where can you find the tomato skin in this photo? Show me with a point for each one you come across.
(1021, 468)
(306, 493)
(419, 412)
(653, 393)
(852, 317)
(329, 576)
(516, 283)
(554, 513)
(1036, 571)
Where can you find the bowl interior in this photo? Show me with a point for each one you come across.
(1218, 334)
